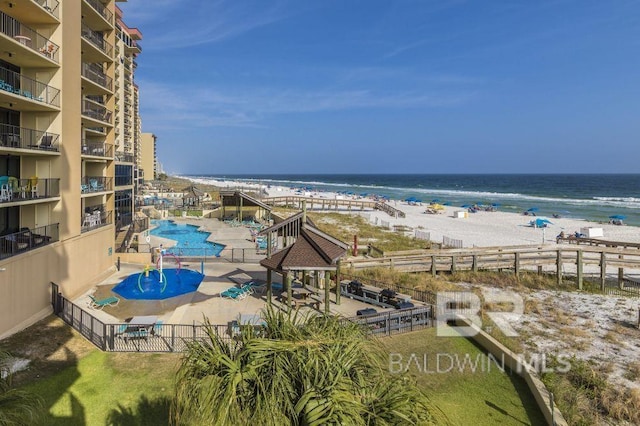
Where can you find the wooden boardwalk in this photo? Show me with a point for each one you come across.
(332, 204)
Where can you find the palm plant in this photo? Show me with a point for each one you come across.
(298, 371)
(17, 407)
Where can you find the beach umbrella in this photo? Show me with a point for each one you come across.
(465, 206)
(495, 204)
(533, 209)
(618, 217)
(435, 200)
(410, 199)
(540, 223)
(446, 204)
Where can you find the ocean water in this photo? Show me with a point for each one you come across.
(593, 197)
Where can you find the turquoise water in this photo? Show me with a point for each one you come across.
(175, 282)
(189, 241)
(581, 196)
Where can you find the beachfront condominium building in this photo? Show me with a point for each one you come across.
(148, 156)
(66, 153)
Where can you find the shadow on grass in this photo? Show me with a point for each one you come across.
(147, 412)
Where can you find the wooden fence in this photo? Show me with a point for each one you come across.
(517, 258)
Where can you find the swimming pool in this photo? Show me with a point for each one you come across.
(189, 241)
(147, 285)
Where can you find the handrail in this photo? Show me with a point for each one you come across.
(28, 37)
(90, 184)
(32, 189)
(99, 149)
(24, 138)
(28, 239)
(45, 4)
(19, 84)
(103, 11)
(96, 111)
(97, 39)
(97, 77)
(124, 157)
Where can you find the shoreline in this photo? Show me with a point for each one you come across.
(481, 229)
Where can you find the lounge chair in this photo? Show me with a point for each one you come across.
(233, 295)
(99, 304)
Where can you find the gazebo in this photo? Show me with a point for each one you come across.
(313, 253)
(192, 196)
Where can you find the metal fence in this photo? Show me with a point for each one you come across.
(424, 296)
(176, 337)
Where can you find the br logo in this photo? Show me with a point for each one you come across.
(503, 307)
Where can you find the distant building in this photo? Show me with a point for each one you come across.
(148, 159)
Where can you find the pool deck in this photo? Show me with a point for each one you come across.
(206, 301)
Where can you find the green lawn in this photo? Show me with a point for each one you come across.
(486, 397)
(134, 389)
(126, 389)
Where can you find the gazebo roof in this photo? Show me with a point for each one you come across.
(232, 198)
(312, 250)
(193, 191)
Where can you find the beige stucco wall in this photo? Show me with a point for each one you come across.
(75, 264)
(147, 155)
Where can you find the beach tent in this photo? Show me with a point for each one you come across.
(540, 223)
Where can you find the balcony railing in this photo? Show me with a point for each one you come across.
(33, 188)
(99, 149)
(97, 77)
(21, 137)
(92, 184)
(97, 39)
(96, 217)
(97, 112)
(124, 157)
(28, 37)
(18, 84)
(99, 7)
(49, 5)
(28, 239)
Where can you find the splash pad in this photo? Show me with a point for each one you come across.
(159, 283)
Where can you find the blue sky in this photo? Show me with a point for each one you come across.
(339, 86)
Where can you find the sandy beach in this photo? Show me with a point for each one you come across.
(481, 229)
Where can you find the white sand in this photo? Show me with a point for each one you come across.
(482, 229)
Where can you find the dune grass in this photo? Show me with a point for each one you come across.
(486, 396)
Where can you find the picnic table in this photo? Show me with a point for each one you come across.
(139, 327)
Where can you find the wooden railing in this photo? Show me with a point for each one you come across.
(516, 258)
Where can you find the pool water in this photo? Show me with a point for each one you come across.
(188, 239)
(147, 286)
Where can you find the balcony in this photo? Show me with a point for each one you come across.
(95, 111)
(97, 149)
(103, 51)
(50, 6)
(28, 239)
(14, 137)
(28, 94)
(96, 184)
(97, 15)
(28, 191)
(124, 157)
(38, 50)
(96, 217)
(96, 76)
